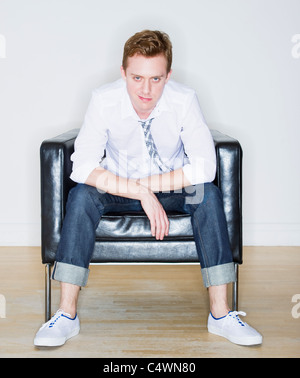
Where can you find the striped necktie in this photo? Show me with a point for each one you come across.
(151, 147)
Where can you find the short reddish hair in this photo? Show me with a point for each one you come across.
(149, 44)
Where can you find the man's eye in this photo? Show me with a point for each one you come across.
(137, 78)
(156, 79)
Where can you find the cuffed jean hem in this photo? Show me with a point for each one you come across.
(218, 275)
(69, 273)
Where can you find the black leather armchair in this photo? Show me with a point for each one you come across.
(127, 237)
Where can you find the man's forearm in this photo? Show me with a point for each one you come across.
(167, 181)
(107, 181)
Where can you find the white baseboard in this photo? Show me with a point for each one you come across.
(254, 234)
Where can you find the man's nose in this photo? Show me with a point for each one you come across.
(146, 87)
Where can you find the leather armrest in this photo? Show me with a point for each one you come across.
(56, 168)
(229, 180)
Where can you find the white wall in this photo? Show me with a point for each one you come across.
(238, 55)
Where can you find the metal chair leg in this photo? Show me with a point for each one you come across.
(47, 292)
(235, 289)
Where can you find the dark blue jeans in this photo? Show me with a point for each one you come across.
(86, 205)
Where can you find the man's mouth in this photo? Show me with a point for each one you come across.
(145, 99)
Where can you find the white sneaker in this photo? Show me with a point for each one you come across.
(57, 330)
(232, 328)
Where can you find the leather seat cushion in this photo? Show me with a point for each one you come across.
(136, 226)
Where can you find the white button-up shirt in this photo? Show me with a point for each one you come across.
(111, 124)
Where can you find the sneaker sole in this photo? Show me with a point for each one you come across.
(51, 342)
(246, 341)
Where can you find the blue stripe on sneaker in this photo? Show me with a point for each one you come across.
(222, 317)
(65, 316)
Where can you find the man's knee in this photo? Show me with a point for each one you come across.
(81, 197)
(200, 194)
(194, 195)
(212, 192)
(204, 196)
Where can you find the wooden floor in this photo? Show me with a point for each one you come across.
(152, 311)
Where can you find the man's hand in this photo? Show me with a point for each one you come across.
(110, 183)
(158, 183)
(155, 212)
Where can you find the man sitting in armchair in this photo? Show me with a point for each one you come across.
(160, 156)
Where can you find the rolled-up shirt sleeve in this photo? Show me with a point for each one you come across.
(90, 143)
(198, 145)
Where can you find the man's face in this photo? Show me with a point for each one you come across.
(145, 79)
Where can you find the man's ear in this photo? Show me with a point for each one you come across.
(168, 76)
(123, 73)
